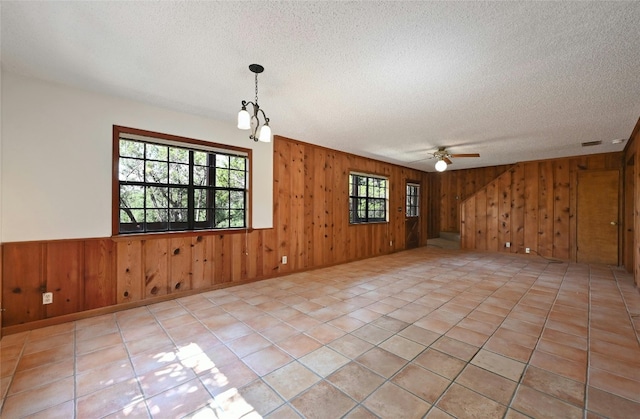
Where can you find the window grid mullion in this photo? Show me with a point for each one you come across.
(144, 190)
(191, 212)
(174, 189)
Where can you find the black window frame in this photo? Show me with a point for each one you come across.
(412, 204)
(196, 205)
(368, 198)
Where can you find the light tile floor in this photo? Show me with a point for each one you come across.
(424, 333)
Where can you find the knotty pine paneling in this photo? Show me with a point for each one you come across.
(561, 209)
(492, 213)
(129, 270)
(64, 268)
(318, 202)
(536, 207)
(480, 218)
(223, 253)
(99, 267)
(468, 214)
(433, 204)
(636, 219)
(311, 227)
(631, 227)
(202, 262)
(156, 267)
(504, 209)
(545, 207)
(517, 207)
(531, 182)
(449, 188)
(181, 261)
(23, 282)
(628, 209)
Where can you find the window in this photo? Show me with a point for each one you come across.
(368, 199)
(413, 200)
(173, 186)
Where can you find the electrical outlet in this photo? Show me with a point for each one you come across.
(284, 260)
(47, 298)
(527, 250)
(507, 244)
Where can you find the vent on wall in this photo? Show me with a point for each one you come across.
(591, 143)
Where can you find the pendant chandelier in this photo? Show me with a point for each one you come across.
(260, 131)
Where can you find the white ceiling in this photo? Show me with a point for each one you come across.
(513, 81)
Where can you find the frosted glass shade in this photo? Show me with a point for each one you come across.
(441, 165)
(265, 134)
(244, 119)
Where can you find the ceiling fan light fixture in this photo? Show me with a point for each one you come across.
(441, 165)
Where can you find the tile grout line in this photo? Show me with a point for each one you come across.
(5, 396)
(588, 370)
(75, 370)
(481, 347)
(626, 306)
(136, 377)
(538, 338)
(198, 376)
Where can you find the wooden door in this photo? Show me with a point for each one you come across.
(412, 216)
(597, 216)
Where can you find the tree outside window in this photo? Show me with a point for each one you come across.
(368, 199)
(174, 188)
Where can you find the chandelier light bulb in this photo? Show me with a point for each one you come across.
(265, 134)
(441, 165)
(244, 119)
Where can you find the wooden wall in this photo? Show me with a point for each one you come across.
(311, 228)
(631, 227)
(449, 188)
(533, 204)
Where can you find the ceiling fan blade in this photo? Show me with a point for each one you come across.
(419, 160)
(446, 159)
(466, 155)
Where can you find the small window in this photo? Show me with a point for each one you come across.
(368, 199)
(413, 200)
(172, 186)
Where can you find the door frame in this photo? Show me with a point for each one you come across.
(418, 186)
(620, 212)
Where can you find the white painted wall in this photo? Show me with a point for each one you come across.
(1, 181)
(55, 168)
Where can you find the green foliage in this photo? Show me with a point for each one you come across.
(155, 180)
(368, 198)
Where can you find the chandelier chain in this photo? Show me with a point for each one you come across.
(256, 88)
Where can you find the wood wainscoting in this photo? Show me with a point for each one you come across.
(310, 226)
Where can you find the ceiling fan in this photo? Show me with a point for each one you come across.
(444, 158)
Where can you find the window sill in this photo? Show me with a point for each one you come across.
(178, 234)
(364, 223)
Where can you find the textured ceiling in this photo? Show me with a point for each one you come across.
(512, 81)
